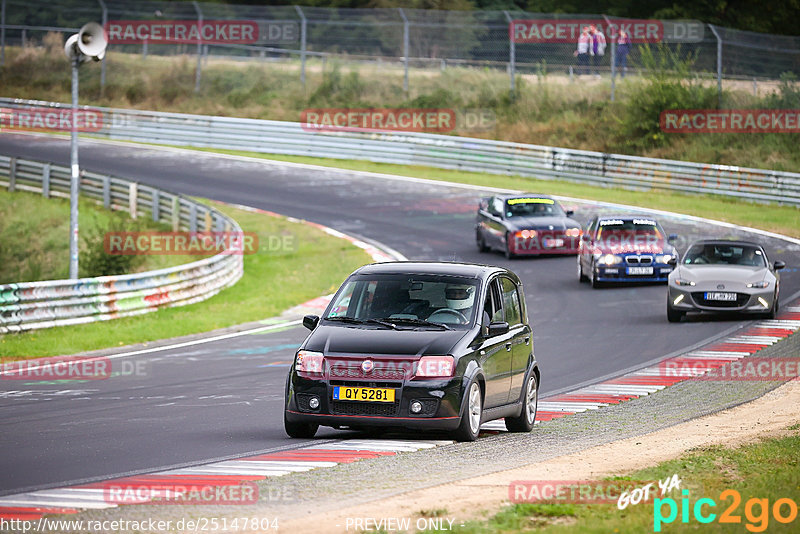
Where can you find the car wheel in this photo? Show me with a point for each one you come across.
(673, 315)
(482, 247)
(595, 282)
(530, 402)
(299, 430)
(470, 425)
(507, 250)
(581, 277)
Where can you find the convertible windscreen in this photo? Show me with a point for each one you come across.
(724, 254)
(533, 207)
(406, 299)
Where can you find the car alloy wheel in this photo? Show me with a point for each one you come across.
(470, 425)
(530, 402)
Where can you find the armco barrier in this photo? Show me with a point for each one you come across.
(444, 151)
(34, 305)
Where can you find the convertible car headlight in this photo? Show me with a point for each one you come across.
(682, 282)
(663, 258)
(309, 362)
(759, 285)
(609, 259)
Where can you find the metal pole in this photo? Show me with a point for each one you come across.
(3, 33)
(405, 48)
(512, 51)
(303, 30)
(199, 46)
(719, 65)
(613, 57)
(74, 182)
(103, 61)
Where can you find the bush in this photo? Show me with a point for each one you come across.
(668, 84)
(95, 261)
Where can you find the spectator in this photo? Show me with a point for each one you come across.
(598, 48)
(623, 47)
(582, 53)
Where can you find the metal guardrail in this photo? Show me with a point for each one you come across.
(443, 151)
(35, 305)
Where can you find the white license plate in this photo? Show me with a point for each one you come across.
(552, 243)
(640, 270)
(721, 296)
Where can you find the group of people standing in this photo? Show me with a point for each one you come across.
(592, 47)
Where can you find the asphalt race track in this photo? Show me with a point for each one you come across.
(224, 399)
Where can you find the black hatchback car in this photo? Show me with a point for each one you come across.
(442, 346)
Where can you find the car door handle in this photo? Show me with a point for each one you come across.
(508, 346)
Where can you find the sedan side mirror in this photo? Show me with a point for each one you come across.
(778, 265)
(498, 329)
(570, 213)
(671, 238)
(311, 321)
(673, 261)
(585, 237)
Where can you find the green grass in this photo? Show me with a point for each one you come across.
(781, 219)
(37, 248)
(273, 281)
(766, 470)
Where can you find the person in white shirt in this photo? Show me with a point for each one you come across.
(582, 53)
(598, 47)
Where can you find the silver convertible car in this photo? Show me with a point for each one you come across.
(724, 276)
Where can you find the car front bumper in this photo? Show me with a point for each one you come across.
(620, 273)
(441, 401)
(748, 301)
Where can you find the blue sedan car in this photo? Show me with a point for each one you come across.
(629, 248)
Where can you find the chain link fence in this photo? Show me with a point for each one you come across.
(405, 39)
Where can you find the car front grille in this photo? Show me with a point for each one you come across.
(344, 368)
(741, 300)
(377, 373)
(386, 409)
(639, 260)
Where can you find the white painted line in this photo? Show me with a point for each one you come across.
(261, 464)
(715, 354)
(212, 471)
(32, 500)
(547, 406)
(178, 345)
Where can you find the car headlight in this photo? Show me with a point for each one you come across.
(526, 234)
(609, 259)
(682, 282)
(759, 285)
(573, 232)
(663, 258)
(309, 361)
(435, 367)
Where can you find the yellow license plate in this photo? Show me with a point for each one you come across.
(363, 394)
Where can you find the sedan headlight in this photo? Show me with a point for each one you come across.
(573, 232)
(309, 362)
(759, 285)
(682, 282)
(609, 259)
(663, 258)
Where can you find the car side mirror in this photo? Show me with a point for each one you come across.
(570, 213)
(311, 321)
(671, 238)
(586, 237)
(778, 265)
(673, 261)
(498, 329)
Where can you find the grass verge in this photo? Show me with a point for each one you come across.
(37, 248)
(766, 471)
(277, 277)
(782, 219)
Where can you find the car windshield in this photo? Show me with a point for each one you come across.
(724, 254)
(638, 227)
(406, 300)
(533, 207)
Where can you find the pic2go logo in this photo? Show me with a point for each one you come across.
(756, 511)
